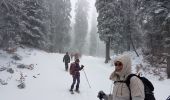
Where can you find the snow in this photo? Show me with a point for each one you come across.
(49, 81)
(158, 10)
(169, 15)
(145, 21)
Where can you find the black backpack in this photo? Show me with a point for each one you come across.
(148, 87)
(67, 58)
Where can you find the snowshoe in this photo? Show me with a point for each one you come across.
(71, 91)
(77, 91)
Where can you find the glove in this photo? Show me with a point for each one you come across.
(100, 95)
(82, 66)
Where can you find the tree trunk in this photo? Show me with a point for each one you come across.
(128, 41)
(107, 51)
(168, 64)
(129, 26)
(133, 46)
(152, 50)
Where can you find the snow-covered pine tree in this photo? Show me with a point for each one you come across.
(103, 24)
(166, 34)
(9, 24)
(131, 28)
(59, 24)
(119, 15)
(81, 24)
(155, 24)
(93, 35)
(125, 28)
(33, 26)
(151, 23)
(51, 26)
(109, 24)
(66, 27)
(151, 27)
(166, 41)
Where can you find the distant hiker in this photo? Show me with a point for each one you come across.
(77, 55)
(66, 59)
(74, 71)
(72, 55)
(120, 90)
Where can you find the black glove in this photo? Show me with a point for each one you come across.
(101, 94)
(82, 66)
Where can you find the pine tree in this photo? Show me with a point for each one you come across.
(81, 24)
(104, 9)
(127, 32)
(152, 26)
(93, 35)
(155, 24)
(59, 24)
(165, 32)
(34, 30)
(9, 24)
(66, 24)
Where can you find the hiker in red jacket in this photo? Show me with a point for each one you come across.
(74, 71)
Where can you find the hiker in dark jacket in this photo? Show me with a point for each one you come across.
(74, 71)
(66, 59)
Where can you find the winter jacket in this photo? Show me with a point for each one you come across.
(74, 69)
(66, 58)
(120, 90)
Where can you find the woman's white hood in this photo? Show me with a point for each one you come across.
(126, 61)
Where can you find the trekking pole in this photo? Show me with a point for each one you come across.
(86, 78)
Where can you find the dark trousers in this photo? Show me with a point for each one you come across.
(66, 66)
(75, 78)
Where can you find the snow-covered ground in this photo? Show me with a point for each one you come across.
(49, 81)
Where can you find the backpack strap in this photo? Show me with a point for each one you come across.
(127, 81)
(72, 68)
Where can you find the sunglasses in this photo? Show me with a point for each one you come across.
(118, 64)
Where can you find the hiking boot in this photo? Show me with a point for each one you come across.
(77, 91)
(71, 90)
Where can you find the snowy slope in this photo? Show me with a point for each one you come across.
(49, 81)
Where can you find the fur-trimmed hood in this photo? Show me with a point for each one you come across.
(126, 61)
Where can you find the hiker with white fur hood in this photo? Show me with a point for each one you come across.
(120, 90)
